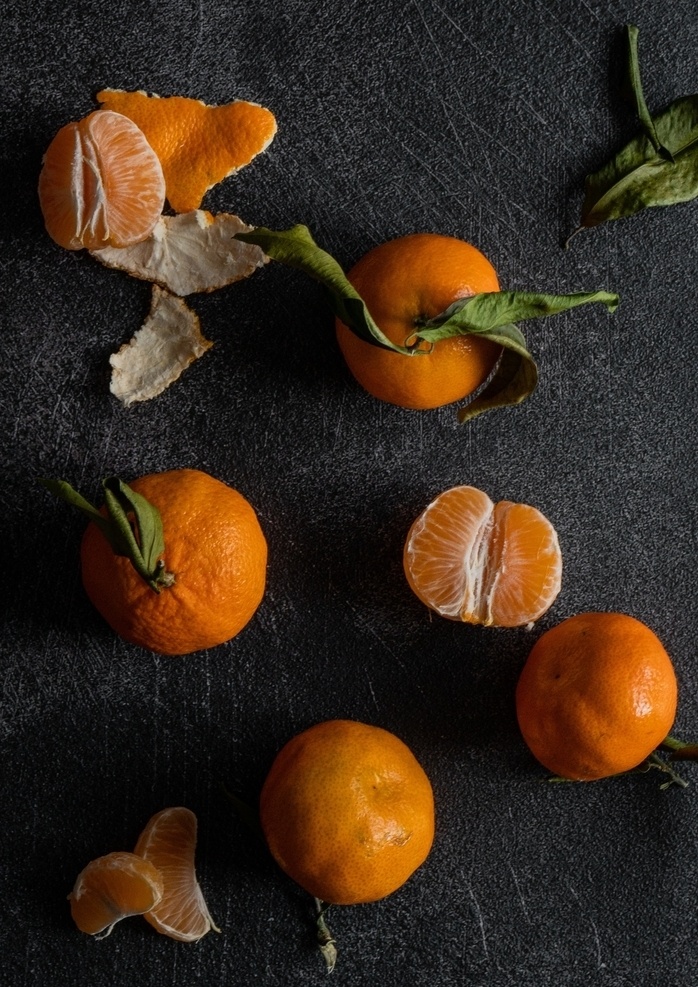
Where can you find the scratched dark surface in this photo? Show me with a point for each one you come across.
(476, 119)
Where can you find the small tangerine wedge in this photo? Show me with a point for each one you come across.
(111, 888)
(198, 145)
(347, 812)
(596, 696)
(101, 184)
(473, 560)
(404, 283)
(168, 842)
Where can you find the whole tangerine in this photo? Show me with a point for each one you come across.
(215, 554)
(405, 282)
(347, 812)
(596, 696)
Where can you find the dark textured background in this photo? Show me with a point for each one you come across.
(477, 119)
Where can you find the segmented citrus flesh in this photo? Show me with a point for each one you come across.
(101, 183)
(111, 888)
(198, 145)
(473, 560)
(169, 842)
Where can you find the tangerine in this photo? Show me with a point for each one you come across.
(111, 888)
(101, 183)
(596, 696)
(405, 282)
(473, 560)
(215, 551)
(347, 812)
(169, 843)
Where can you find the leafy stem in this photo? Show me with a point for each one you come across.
(490, 315)
(659, 167)
(130, 523)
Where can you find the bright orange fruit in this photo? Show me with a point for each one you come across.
(168, 842)
(470, 559)
(347, 812)
(214, 548)
(101, 184)
(198, 145)
(404, 283)
(111, 888)
(596, 696)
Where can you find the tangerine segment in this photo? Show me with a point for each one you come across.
(596, 696)
(169, 843)
(111, 888)
(473, 560)
(101, 184)
(198, 145)
(404, 283)
(347, 812)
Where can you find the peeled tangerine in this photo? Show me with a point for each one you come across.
(473, 560)
(101, 183)
(158, 881)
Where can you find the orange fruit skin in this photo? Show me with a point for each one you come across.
(596, 696)
(469, 559)
(405, 282)
(198, 145)
(347, 812)
(216, 550)
(101, 184)
(111, 888)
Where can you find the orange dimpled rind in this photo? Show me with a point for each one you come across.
(596, 696)
(347, 812)
(198, 145)
(473, 560)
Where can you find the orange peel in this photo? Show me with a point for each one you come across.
(189, 253)
(167, 343)
(198, 144)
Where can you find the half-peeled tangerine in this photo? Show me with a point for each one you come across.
(470, 559)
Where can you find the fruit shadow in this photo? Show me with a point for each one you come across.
(618, 102)
(409, 669)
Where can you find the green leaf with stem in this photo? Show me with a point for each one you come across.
(132, 526)
(643, 113)
(296, 248)
(659, 167)
(488, 314)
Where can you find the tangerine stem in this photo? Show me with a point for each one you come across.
(324, 936)
(654, 761)
(680, 750)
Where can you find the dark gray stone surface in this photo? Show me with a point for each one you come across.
(476, 119)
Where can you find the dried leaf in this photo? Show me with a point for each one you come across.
(167, 342)
(189, 253)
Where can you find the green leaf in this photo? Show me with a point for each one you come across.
(296, 248)
(513, 380)
(141, 542)
(491, 315)
(144, 551)
(484, 313)
(643, 113)
(63, 490)
(659, 167)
